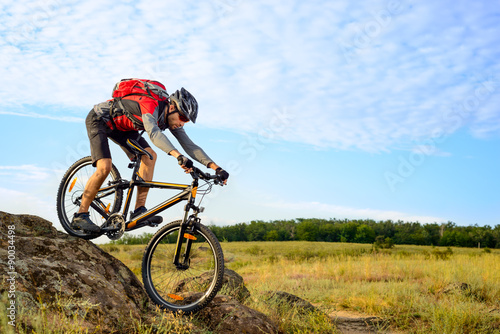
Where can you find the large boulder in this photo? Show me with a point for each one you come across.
(225, 315)
(53, 268)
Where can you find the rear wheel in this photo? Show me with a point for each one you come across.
(186, 288)
(70, 193)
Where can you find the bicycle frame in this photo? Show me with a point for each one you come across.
(188, 192)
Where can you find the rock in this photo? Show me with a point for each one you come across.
(286, 300)
(233, 285)
(225, 315)
(362, 325)
(455, 287)
(53, 268)
(464, 289)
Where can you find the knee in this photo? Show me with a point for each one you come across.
(146, 160)
(103, 167)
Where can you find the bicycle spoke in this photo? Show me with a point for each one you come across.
(70, 192)
(185, 287)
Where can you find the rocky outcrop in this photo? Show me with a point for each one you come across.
(51, 266)
(225, 315)
(55, 270)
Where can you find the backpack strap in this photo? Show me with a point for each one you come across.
(111, 111)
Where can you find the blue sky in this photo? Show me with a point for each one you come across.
(373, 109)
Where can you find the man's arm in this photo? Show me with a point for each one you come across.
(197, 153)
(193, 150)
(157, 136)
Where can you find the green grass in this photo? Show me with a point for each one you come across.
(59, 317)
(405, 285)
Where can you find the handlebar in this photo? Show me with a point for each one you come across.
(195, 174)
(199, 174)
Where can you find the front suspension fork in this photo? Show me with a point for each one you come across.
(186, 231)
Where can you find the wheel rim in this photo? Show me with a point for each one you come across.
(72, 191)
(182, 289)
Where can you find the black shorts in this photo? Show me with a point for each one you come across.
(99, 133)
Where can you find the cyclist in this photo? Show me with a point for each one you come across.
(154, 117)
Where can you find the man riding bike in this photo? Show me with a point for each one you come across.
(123, 120)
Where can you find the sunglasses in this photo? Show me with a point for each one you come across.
(181, 116)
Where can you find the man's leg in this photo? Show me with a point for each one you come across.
(94, 183)
(146, 171)
(101, 158)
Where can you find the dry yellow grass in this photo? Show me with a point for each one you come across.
(417, 289)
(407, 285)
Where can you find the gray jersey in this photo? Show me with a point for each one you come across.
(161, 141)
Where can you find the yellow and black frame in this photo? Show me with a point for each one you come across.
(187, 192)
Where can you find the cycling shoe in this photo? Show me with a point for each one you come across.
(81, 221)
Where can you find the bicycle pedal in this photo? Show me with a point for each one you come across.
(154, 221)
(109, 229)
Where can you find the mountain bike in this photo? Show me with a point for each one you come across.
(183, 263)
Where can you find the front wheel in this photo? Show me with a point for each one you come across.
(186, 288)
(70, 193)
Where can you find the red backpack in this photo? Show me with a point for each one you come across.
(151, 88)
(135, 87)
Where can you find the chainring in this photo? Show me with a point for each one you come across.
(117, 223)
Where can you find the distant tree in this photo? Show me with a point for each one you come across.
(496, 235)
(385, 228)
(483, 236)
(272, 236)
(364, 234)
(286, 229)
(237, 232)
(256, 230)
(307, 231)
(329, 232)
(348, 232)
(432, 234)
(409, 233)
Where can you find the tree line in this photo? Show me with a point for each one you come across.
(362, 231)
(355, 231)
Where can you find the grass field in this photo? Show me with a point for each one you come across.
(417, 289)
(414, 289)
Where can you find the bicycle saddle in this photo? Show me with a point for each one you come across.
(137, 149)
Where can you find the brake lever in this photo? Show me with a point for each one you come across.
(218, 181)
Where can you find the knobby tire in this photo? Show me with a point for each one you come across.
(72, 185)
(182, 290)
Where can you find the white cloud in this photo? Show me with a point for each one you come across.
(38, 115)
(25, 173)
(430, 150)
(369, 77)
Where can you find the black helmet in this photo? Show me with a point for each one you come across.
(186, 104)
